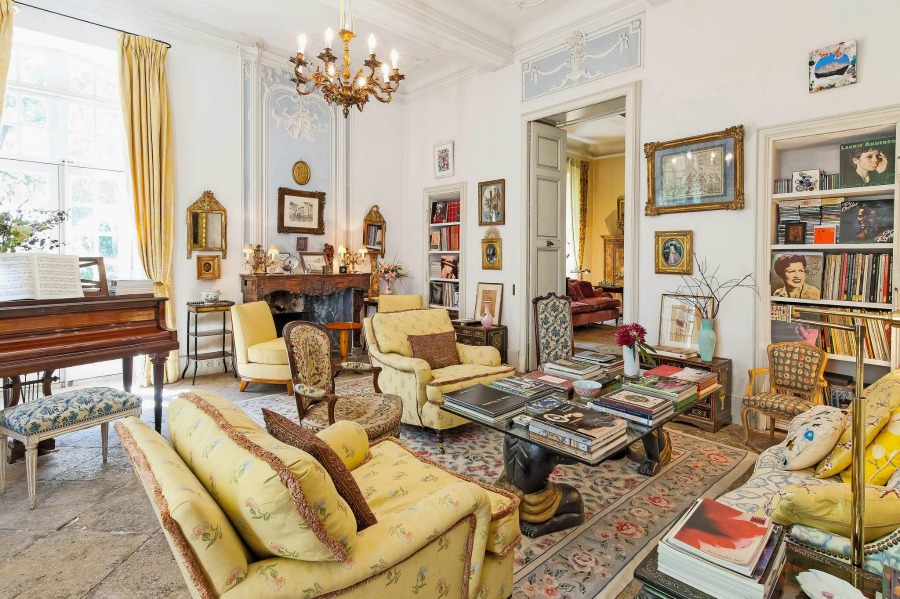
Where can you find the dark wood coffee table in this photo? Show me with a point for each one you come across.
(798, 559)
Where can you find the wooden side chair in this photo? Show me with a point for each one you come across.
(795, 384)
(554, 337)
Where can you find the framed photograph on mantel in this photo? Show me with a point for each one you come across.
(301, 211)
(704, 172)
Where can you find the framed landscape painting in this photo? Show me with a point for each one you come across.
(704, 172)
(301, 211)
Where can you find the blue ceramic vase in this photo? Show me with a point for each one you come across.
(707, 339)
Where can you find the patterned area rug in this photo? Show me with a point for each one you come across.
(625, 512)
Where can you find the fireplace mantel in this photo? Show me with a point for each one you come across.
(257, 287)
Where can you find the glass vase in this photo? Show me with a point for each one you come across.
(707, 339)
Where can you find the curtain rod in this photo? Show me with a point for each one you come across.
(166, 44)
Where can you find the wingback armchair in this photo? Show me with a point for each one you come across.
(247, 516)
(420, 388)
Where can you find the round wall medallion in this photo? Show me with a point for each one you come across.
(301, 172)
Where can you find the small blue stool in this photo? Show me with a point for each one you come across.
(54, 415)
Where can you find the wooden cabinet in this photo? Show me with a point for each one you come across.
(496, 336)
(713, 411)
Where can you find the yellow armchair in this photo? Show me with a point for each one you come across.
(260, 355)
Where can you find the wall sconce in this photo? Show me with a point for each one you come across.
(351, 261)
(258, 259)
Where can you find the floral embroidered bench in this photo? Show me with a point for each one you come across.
(54, 415)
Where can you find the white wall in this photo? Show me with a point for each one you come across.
(708, 65)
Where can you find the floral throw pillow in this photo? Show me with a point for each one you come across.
(438, 349)
(812, 435)
(288, 431)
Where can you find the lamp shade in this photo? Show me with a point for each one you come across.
(248, 249)
(273, 249)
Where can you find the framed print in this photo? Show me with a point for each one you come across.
(679, 320)
(704, 172)
(443, 159)
(869, 162)
(492, 254)
(208, 267)
(313, 262)
(492, 205)
(302, 244)
(620, 212)
(795, 233)
(278, 261)
(867, 221)
(832, 66)
(301, 211)
(489, 298)
(797, 275)
(674, 254)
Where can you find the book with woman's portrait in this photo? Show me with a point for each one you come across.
(867, 163)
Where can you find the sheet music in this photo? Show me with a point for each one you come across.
(17, 277)
(39, 276)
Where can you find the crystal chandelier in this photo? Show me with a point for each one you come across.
(341, 87)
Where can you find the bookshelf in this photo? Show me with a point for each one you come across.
(858, 271)
(444, 226)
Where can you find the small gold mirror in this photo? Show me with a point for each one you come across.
(374, 231)
(206, 225)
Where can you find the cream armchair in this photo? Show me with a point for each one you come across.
(421, 388)
(260, 355)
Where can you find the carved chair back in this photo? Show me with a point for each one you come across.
(309, 355)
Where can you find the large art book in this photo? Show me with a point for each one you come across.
(485, 400)
(722, 535)
(39, 276)
(663, 385)
(582, 420)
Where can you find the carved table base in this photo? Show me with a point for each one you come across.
(653, 454)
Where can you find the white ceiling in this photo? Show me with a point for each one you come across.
(598, 137)
(435, 38)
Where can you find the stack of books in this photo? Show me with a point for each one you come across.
(704, 379)
(539, 406)
(723, 552)
(672, 351)
(678, 391)
(525, 387)
(633, 406)
(485, 403)
(575, 369)
(579, 430)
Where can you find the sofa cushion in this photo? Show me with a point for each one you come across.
(573, 290)
(841, 456)
(827, 507)
(438, 349)
(585, 288)
(415, 478)
(882, 454)
(471, 373)
(812, 435)
(65, 409)
(286, 431)
(393, 328)
(582, 307)
(273, 351)
(279, 498)
(208, 550)
(885, 392)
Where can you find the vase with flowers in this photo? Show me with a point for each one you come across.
(389, 273)
(634, 348)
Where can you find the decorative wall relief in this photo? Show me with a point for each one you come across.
(584, 57)
(294, 114)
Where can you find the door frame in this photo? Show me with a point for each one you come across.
(632, 94)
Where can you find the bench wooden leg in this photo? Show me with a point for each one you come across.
(3, 443)
(31, 471)
(104, 432)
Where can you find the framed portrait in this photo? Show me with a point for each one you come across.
(620, 212)
(679, 320)
(492, 202)
(313, 262)
(492, 254)
(208, 267)
(867, 221)
(443, 159)
(674, 253)
(489, 298)
(704, 172)
(302, 244)
(795, 233)
(301, 211)
(797, 275)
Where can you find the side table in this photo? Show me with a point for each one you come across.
(344, 329)
(195, 309)
(714, 411)
(496, 336)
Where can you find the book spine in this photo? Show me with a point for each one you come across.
(557, 436)
(627, 416)
(563, 447)
(625, 407)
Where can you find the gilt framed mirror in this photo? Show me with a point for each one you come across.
(374, 231)
(207, 224)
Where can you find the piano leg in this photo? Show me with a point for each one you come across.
(127, 373)
(159, 375)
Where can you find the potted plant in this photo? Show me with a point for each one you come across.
(390, 272)
(634, 348)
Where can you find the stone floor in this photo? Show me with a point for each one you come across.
(94, 533)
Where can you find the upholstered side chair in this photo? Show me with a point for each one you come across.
(397, 303)
(796, 384)
(313, 374)
(554, 337)
(259, 353)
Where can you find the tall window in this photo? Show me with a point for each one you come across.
(62, 146)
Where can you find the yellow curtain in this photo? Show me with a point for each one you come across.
(148, 130)
(6, 35)
(582, 218)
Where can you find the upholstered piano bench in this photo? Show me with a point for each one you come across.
(56, 415)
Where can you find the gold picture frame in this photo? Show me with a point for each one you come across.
(620, 213)
(492, 250)
(704, 172)
(300, 172)
(674, 252)
(613, 258)
(492, 202)
(208, 267)
(493, 294)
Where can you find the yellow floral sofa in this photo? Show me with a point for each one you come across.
(421, 388)
(247, 516)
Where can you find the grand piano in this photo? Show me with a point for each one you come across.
(43, 335)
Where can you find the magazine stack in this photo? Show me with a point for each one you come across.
(528, 388)
(634, 406)
(579, 430)
(680, 392)
(723, 551)
(575, 369)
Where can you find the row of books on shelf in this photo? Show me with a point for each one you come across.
(858, 277)
(833, 341)
(723, 551)
(809, 180)
(835, 220)
(444, 294)
(445, 239)
(862, 163)
(445, 211)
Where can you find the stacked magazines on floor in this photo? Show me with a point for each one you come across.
(723, 552)
(634, 406)
(485, 403)
(578, 430)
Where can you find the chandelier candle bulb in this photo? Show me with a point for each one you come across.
(301, 44)
(394, 57)
(372, 44)
(329, 35)
(386, 71)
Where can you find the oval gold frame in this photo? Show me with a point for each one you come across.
(301, 172)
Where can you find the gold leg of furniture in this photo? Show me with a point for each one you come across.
(745, 421)
(344, 340)
(244, 383)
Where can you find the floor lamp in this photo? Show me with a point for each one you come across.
(858, 430)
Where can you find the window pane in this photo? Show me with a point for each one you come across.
(34, 111)
(107, 87)
(81, 78)
(33, 68)
(34, 142)
(81, 119)
(81, 148)
(81, 191)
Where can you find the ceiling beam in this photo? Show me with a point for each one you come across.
(424, 25)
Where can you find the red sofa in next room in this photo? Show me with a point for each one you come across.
(589, 304)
